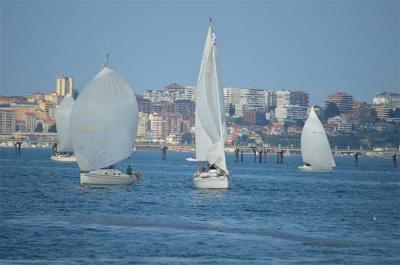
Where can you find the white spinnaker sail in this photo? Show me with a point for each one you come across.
(104, 121)
(315, 147)
(210, 122)
(63, 118)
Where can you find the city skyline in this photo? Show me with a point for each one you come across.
(315, 47)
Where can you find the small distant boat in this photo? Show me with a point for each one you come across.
(210, 123)
(191, 159)
(63, 117)
(104, 122)
(315, 149)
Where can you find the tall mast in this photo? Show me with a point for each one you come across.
(105, 64)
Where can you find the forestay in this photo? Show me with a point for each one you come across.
(315, 147)
(63, 118)
(210, 123)
(104, 121)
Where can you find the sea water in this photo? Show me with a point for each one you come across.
(271, 214)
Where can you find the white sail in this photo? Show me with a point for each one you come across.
(210, 123)
(315, 147)
(104, 121)
(63, 118)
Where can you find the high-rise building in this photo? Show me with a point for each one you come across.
(64, 85)
(343, 101)
(254, 117)
(156, 125)
(232, 98)
(144, 105)
(290, 113)
(392, 100)
(290, 97)
(270, 99)
(143, 125)
(190, 93)
(7, 120)
(31, 122)
(255, 99)
(359, 111)
(382, 111)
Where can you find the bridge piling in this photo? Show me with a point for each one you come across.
(394, 160)
(260, 152)
(356, 159)
(265, 156)
(241, 155)
(254, 154)
(164, 152)
(17, 146)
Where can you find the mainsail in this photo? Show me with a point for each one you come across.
(63, 118)
(314, 143)
(104, 121)
(210, 123)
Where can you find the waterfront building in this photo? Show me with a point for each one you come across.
(392, 100)
(232, 99)
(156, 125)
(144, 105)
(255, 99)
(172, 123)
(7, 120)
(64, 85)
(270, 99)
(152, 95)
(190, 93)
(359, 111)
(343, 101)
(341, 124)
(383, 111)
(254, 117)
(143, 125)
(290, 113)
(31, 122)
(290, 97)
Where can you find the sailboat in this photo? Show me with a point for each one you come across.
(104, 122)
(315, 148)
(210, 123)
(63, 117)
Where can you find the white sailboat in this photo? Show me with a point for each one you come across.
(315, 148)
(63, 117)
(210, 122)
(104, 121)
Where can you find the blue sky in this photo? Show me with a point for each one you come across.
(316, 46)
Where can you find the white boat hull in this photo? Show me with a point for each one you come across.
(210, 180)
(313, 168)
(63, 158)
(106, 177)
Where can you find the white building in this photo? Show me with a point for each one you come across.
(232, 95)
(190, 93)
(143, 125)
(290, 113)
(156, 125)
(290, 97)
(392, 100)
(7, 121)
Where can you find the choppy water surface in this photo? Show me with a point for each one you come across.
(272, 213)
